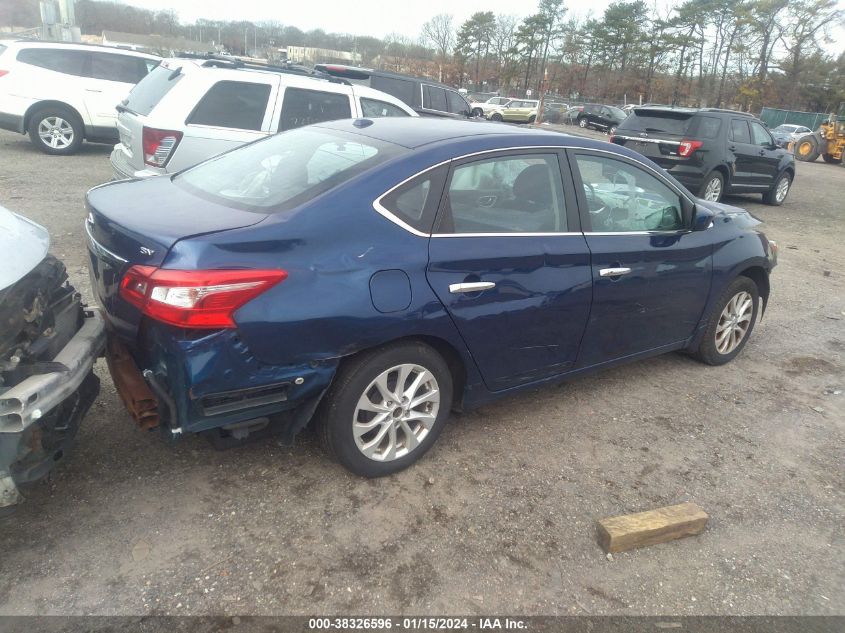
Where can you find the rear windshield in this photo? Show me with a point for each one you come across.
(151, 89)
(287, 169)
(667, 122)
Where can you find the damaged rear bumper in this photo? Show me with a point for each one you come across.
(23, 406)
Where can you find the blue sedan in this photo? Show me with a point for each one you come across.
(370, 276)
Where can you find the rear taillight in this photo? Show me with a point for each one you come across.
(686, 148)
(159, 145)
(195, 298)
(3, 72)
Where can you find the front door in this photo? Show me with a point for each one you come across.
(651, 275)
(508, 261)
(768, 155)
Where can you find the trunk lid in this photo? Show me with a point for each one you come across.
(137, 222)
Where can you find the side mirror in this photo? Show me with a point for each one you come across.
(702, 218)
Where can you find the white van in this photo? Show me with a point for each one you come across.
(188, 110)
(62, 93)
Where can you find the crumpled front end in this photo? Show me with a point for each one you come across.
(48, 345)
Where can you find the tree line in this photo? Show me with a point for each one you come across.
(723, 53)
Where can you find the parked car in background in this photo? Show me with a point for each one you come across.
(712, 152)
(465, 261)
(515, 111)
(485, 108)
(61, 94)
(426, 96)
(787, 133)
(553, 112)
(570, 117)
(600, 117)
(48, 344)
(188, 110)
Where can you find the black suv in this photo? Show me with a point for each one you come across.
(600, 117)
(711, 151)
(425, 96)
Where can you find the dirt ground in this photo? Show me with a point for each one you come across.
(499, 516)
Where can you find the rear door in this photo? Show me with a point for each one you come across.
(109, 79)
(229, 113)
(650, 274)
(509, 263)
(304, 106)
(745, 154)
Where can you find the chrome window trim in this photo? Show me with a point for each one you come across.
(386, 213)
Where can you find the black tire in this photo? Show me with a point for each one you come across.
(807, 149)
(830, 159)
(583, 123)
(495, 117)
(338, 409)
(612, 130)
(531, 119)
(711, 177)
(708, 351)
(771, 196)
(476, 112)
(69, 129)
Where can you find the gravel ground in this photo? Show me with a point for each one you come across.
(499, 517)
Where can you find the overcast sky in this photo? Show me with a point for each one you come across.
(376, 17)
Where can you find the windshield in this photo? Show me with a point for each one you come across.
(286, 170)
(668, 122)
(786, 128)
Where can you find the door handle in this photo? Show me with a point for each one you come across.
(762, 152)
(475, 286)
(613, 272)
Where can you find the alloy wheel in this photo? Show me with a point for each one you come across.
(713, 190)
(55, 132)
(782, 189)
(582, 123)
(734, 322)
(396, 412)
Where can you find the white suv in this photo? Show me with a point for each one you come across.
(63, 93)
(188, 110)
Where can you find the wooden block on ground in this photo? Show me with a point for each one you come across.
(618, 534)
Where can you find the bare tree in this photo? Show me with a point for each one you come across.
(439, 34)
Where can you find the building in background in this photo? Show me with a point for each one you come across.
(158, 44)
(310, 55)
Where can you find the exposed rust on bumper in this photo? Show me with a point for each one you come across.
(137, 396)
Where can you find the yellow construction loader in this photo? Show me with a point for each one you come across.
(828, 141)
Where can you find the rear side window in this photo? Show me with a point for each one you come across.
(234, 104)
(416, 202)
(402, 89)
(676, 123)
(708, 127)
(304, 107)
(151, 89)
(739, 131)
(434, 98)
(375, 108)
(122, 68)
(60, 60)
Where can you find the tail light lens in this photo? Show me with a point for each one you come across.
(159, 145)
(687, 148)
(195, 298)
(3, 72)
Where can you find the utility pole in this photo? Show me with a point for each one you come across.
(544, 85)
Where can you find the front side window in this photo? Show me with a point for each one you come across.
(760, 135)
(374, 108)
(623, 198)
(285, 170)
(506, 194)
(60, 60)
(305, 107)
(739, 131)
(232, 104)
(122, 68)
